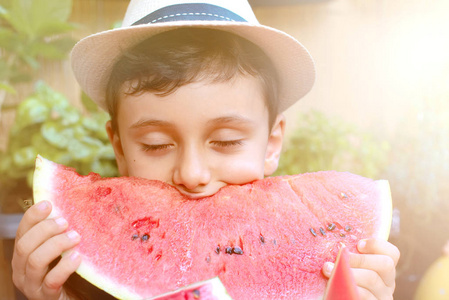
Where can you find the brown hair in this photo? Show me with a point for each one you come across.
(169, 60)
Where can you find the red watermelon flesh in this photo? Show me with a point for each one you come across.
(265, 240)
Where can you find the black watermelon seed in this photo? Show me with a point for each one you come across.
(331, 226)
(312, 231)
(237, 250)
(135, 237)
(322, 231)
(342, 235)
(145, 237)
(262, 239)
(348, 228)
(217, 250)
(228, 250)
(196, 294)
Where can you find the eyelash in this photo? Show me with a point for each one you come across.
(227, 143)
(161, 147)
(146, 147)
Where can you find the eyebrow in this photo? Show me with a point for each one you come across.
(150, 122)
(232, 119)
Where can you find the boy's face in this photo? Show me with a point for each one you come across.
(199, 138)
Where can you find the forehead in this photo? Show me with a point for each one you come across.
(237, 101)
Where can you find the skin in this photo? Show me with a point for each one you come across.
(198, 139)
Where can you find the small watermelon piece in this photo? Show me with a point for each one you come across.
(268, 239)
(211, 289)
(342, 285)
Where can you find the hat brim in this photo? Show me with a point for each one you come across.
(94, 56)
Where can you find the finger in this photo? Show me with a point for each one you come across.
(379, 246)
(28, 243)
(371, 282)
(32, 216)
(365, 294)
(383, 265)
(40, 259)
(60, 273)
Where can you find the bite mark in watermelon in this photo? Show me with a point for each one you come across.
(265, 240)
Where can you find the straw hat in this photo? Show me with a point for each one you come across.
(94, 56)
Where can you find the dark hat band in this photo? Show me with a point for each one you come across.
(190, 12)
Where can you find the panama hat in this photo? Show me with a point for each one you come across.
(94, 56)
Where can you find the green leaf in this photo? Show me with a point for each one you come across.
(25, 157)
(6, 38)
(3, 11)
(57, 135)
(21, 138)
(70, 116)
(32, 16)
(107, 152)
(31, 61)
(5, 163)
(8, 88)
(52, 28)
(31, 111)
(84, 149)
(88, 103)
(106, 168)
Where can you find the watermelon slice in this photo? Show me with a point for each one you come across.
(342, 285)
(265, 240)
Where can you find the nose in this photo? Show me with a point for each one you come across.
(191, 171)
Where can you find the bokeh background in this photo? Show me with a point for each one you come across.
(379, 107)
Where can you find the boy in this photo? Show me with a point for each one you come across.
(196, 95)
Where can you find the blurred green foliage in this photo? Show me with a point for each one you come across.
(320, 142)
(419, 166)
(418, 173)
(47, 124)
(31, 30)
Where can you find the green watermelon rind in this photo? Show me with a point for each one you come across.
(386, 208)
(43, 177)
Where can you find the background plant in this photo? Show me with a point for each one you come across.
(320, 142)
(418, 173)
(31, 30)
(47, 124)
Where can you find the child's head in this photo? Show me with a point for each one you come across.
(163, 63)
(195, 91)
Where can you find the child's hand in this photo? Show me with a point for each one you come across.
(39, 241)
(374, 270)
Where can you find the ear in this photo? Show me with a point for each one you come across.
(116, 143)
(274, 146)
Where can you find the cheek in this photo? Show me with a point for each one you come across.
(243, 170)
(141, 165)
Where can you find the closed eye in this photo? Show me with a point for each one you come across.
(227, 143)
(156, 147)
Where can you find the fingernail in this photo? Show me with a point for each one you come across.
(42, 205)
(362, 244)
(61, 221)
(74, 255)
(73, 235)
(329, 267)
